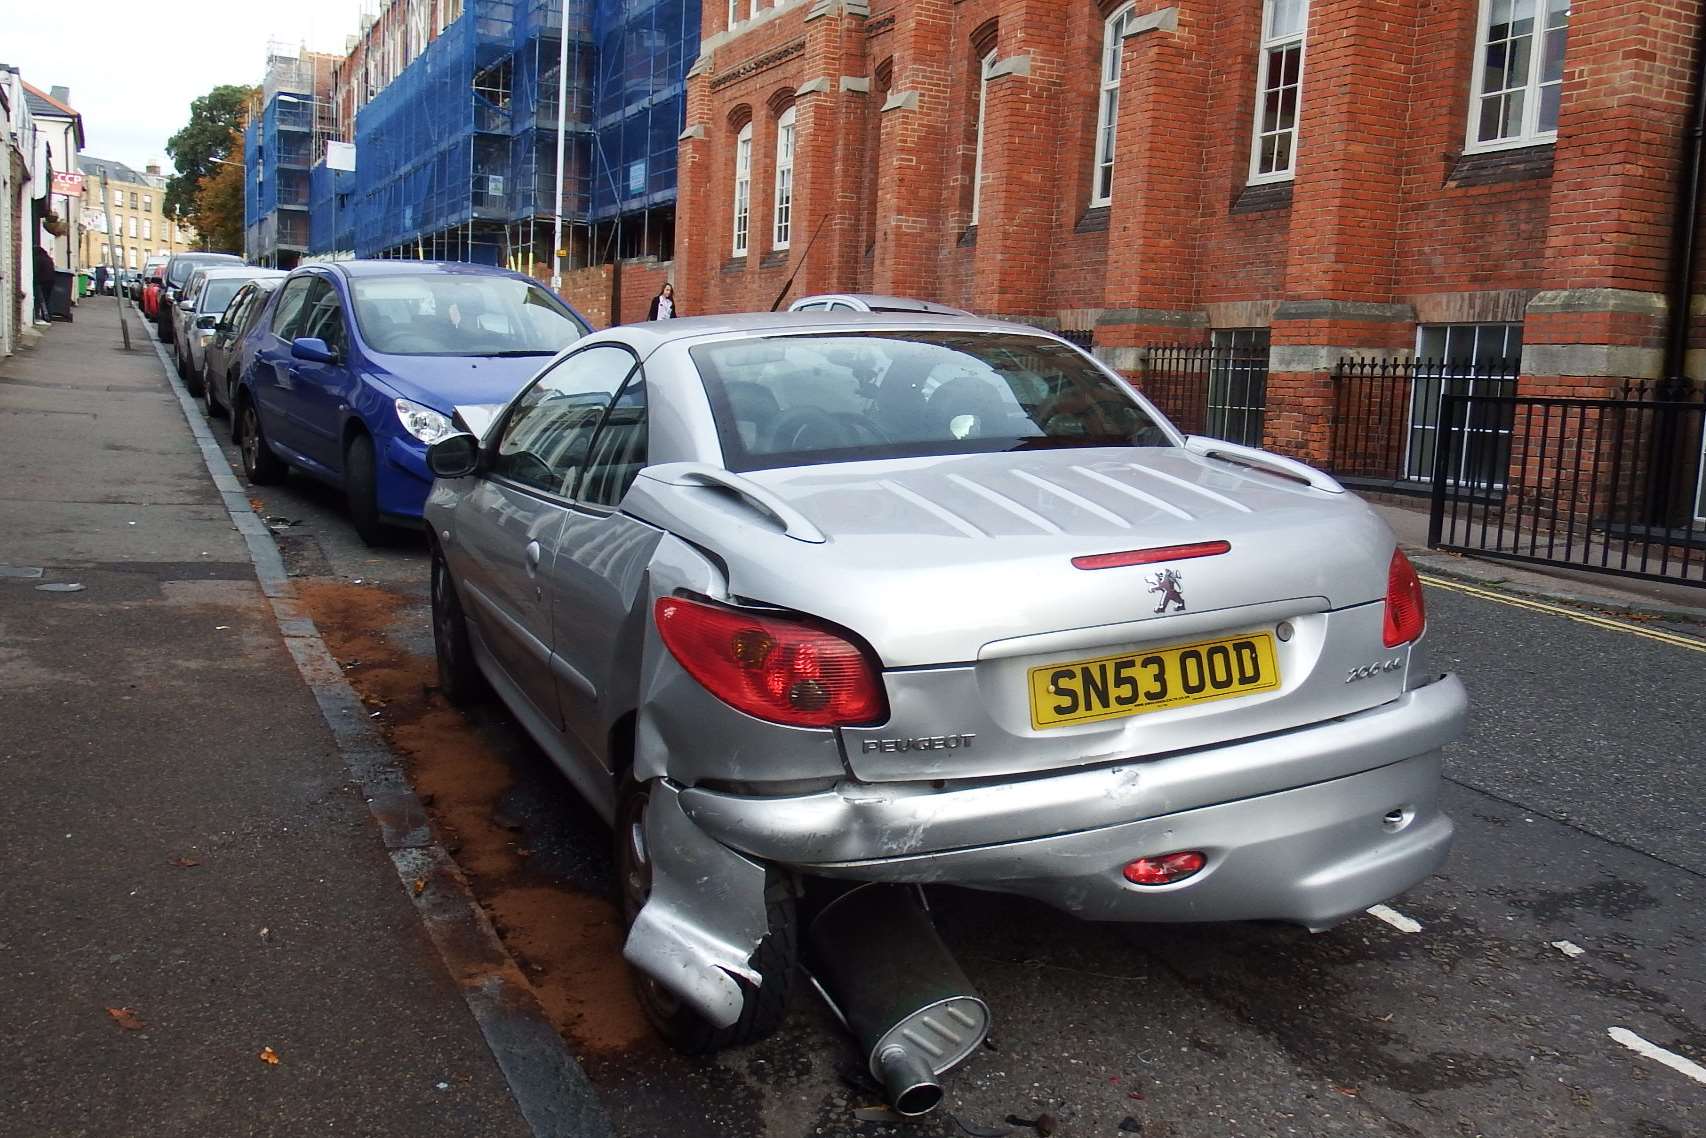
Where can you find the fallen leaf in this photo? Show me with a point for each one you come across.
(420, 885)
(1348, 1092)
(126, 1019)
(185, 862)
(269, 1056)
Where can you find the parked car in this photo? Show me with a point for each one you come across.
(153, 280)
(178, 270)
(219, 358)
(357, 366)
(870, 302)
(205, 297)
(802, 598)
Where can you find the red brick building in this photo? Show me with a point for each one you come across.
(1308, 179)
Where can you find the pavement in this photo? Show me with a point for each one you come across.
(204, 933)
(1550, 981)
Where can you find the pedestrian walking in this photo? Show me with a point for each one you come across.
(100, 280)
(663, 304)
(44, 274)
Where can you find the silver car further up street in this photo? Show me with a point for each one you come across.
(797, 599)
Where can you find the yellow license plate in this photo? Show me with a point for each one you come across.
(1110, 687)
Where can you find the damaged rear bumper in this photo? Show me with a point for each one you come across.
(1311, 854)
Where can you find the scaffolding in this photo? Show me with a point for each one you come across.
(456, 156)
(290, 119)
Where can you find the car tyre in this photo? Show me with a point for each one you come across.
(459, 677)
(361, 488)
(260, 465)
(192, 377)
(682, 1027)
(214, 408)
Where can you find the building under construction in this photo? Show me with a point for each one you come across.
(290, 119)
(453, 109)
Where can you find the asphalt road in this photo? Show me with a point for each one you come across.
(1577, 796)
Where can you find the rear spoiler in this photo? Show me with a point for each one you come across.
(1262, 460)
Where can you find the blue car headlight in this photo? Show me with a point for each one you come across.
(424, 423)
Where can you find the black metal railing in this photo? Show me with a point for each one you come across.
(1386, 422)
(1216, 391)
(1611, 485)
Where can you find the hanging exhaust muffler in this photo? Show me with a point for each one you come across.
(879, 962)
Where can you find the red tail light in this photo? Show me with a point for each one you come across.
(784, 671)
(1151, 556)
(1406, 618)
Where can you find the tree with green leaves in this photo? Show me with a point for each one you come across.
(215, 131)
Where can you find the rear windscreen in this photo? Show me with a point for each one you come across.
(802, 399)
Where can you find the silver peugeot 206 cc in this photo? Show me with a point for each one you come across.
(807, 601)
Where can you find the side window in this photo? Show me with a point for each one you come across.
(619, 451)
(233, 318)
(548, 434)
(323, 315)
(289, 307)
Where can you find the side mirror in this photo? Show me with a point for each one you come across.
(454, 456)
(206, 321)
(313, 349)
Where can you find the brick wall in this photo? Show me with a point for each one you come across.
(591, 289)
(1390, 221)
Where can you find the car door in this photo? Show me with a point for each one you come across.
(508, 527)
(598, 572)
(220, 349)
(270, 378)
(320, 392)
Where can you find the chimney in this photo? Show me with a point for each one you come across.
(63, 94)
(152, 168)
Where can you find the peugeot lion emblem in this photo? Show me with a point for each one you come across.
(1167, 583)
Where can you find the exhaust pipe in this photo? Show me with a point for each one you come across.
(879, 963)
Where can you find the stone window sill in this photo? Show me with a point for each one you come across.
(1525, 164)
(1262, 197)
(1095, 220)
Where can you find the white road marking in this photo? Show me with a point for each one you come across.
(1396, 919)
(1653, 1051)
(1568, 949)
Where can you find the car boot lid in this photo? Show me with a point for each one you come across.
(932, 559)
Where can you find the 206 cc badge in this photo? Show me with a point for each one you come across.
(1167, 583)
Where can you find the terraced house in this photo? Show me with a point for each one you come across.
(1225, 198)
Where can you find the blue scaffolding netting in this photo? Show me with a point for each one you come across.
(461, 147)
(277, 148)
(639, 102)
(331, 212)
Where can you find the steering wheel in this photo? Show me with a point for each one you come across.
(411, 341)
(806, 428)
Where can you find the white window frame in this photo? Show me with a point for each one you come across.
(1530, 133)
(985, 65)
(1108, 104)
(147, 229)
(782, 215)
(743, 190)
(1271, 45)
(734, 12)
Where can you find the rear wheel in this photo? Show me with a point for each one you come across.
(260, 464)
(361, 488)
(214, 408)
(682, 1027)
(459, 678)
(192, 377)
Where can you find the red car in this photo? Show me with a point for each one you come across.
(153, 280)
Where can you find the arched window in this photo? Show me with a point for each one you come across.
(1108, 109)
(784, 213)
(984, 68)
(743, 187)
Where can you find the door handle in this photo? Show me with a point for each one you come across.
(531, 557)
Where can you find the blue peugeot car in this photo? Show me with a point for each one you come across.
(356, 367)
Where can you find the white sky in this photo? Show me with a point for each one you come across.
(133, 66)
